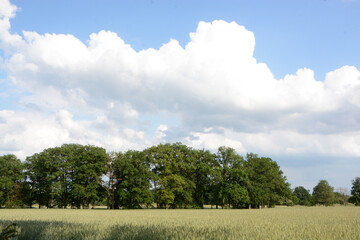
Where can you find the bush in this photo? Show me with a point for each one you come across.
(14, 204)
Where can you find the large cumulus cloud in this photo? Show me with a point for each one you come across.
(104, 92)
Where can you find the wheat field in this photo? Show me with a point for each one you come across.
(277, 223)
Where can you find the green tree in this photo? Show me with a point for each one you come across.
(323, 193)
(11, 179)
(65, 175)
(61, 161)
(233, 179)
(215, 188)
(267, 185)
(40, 174)
(203, 176)
(133, 180)
(88, 170)
(172, 167)
(355, 191)
(51, 174)
(302, 195)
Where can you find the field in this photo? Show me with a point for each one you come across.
(277, 223)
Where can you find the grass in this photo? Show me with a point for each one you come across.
(279, 223)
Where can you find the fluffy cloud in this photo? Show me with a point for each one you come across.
(7, 40)
(281, 142)
(113, 96)
(25, 133)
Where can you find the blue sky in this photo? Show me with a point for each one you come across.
(278, 78)
(319, 34)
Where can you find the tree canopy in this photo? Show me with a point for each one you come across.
(162, 176)
(11, 177)
(267, 184)
(302, 196)
(355, 191)
(66, 175)
(323, 193)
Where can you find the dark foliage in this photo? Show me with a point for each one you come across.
(165, 176)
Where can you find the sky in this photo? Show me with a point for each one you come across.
(276, 78)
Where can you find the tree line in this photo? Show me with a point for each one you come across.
(162, 176)
(324, 194)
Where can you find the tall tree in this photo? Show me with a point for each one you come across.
(89, 169)
(267, 185)
(232, 185)
(133, 180)
(203, 176)
(40, 172)
(171, 165)
(51, 174)
(11, 179)
(65, 175)
(323, 193)
(355, 191)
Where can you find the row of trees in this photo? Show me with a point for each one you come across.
(324, 194)
(162, 176)
(166, 175)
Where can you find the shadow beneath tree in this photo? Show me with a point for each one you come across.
(50, 230)
(63, 230)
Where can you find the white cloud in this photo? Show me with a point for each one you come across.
(212, 140)
(214, 83)
(161, 131)
(25, 133)
(7, 40)
(344, 83)
(7, 10)
(283, 142)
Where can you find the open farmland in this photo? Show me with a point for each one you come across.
(276, 223)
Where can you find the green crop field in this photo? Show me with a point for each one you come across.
(277, 223)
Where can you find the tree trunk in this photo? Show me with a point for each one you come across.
(157, 203)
